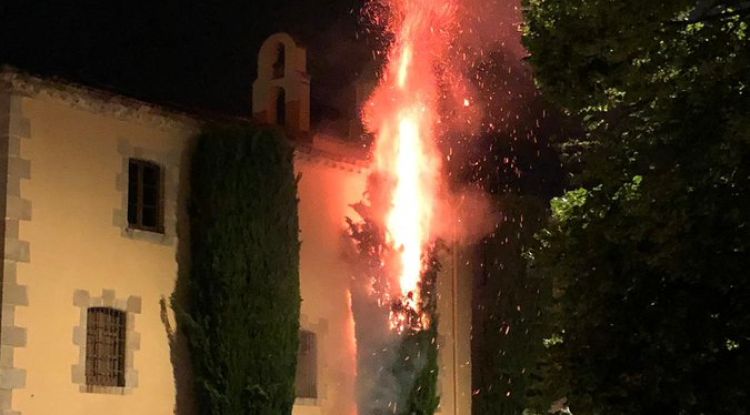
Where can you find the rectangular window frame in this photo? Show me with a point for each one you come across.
(141, 165)
(306, 378)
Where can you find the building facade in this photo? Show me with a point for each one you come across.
(94, 238)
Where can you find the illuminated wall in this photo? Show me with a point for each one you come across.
(67, 246)
(327, 187)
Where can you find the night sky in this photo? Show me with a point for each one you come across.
(200, 55)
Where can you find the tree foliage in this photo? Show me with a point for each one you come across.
(649, 255)
(243, 296)
(417, 361)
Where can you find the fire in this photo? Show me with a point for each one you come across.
(403, 68)
(351, 329)
(406, 224)
(403, 113)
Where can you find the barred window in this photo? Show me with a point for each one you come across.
(105, 347)
(145, 195)
(307, 366)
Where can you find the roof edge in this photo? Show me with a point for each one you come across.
(122, 107)
(97, 100)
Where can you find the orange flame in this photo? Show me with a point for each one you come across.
(351, 335)
(403, 113)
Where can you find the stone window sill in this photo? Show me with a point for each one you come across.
(148, 235)
(307, 401)
(107, 390)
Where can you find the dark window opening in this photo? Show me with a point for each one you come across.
(279, 67)
(306, 381)
(281, 107)
(144, 195)
(105, 347)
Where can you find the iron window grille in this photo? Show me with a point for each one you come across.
(105, 347)
(145, 202)
(306, 380)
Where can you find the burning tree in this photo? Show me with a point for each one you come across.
(393, 293)
(396, 335)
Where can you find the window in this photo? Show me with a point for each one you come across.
(105, 347)
(307, 366)
(281, 107)
(144, 196)
(279, 67)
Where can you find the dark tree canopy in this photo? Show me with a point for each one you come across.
(649, 255)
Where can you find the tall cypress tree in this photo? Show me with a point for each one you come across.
(243, 297)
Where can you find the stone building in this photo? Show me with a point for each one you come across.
(93, 195)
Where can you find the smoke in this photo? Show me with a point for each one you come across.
(471, 99)
(471, 214)
(482, 27)
(380, 389)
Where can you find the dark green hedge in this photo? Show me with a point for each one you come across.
(242, 300)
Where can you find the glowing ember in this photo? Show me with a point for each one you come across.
(403, 113)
